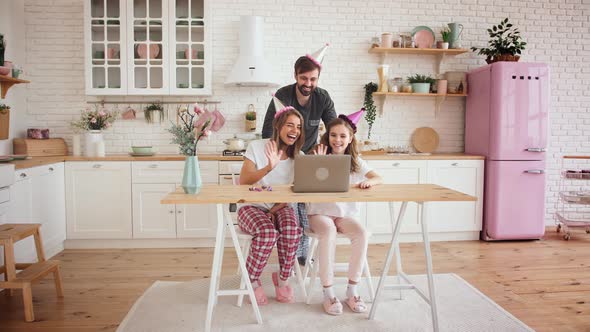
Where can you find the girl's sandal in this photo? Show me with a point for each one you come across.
(356, 304)
(333, 307)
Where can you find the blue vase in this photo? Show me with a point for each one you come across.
(191, 179)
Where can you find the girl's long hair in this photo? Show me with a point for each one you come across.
(351, 149)
(277, 125)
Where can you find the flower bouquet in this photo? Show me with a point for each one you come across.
(98, 119)
(194, 127)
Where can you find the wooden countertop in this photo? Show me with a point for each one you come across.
(40, 161)
(381, 193)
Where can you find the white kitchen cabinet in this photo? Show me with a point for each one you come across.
(148, 47)
(98, 200)
(465, 176)
(152, 181)
(396, 172)
(37, 196)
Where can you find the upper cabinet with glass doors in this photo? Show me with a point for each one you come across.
(105, 51)
(147, 47)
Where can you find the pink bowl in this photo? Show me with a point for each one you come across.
(4, 71)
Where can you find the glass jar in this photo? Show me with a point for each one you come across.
(398, 82)
(407, 88)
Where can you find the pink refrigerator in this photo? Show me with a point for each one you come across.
(506, 121)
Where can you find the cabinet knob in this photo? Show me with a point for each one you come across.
(51, 169)
(455, 164)
(171, 211)
(395, 164)
(23, 175)
(179, 211)
(96, 166)
(153, 166)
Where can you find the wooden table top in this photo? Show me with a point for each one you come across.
(212, 194)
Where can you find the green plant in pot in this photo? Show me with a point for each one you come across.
(4, 108)
(421, 83)
(369, 105)
(154, 113)
(251, 120)
(445, 33)
(2, 49)
(505, 43)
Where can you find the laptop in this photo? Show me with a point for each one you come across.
(321, 173)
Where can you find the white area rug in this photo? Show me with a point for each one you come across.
(181, 306)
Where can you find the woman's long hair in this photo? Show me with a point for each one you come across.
(351, 149)
(277, 125)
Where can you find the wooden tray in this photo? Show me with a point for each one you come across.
(425, 139)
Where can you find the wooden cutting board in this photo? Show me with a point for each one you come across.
(425, 139)
(40, 147)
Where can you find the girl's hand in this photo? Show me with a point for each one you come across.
(365, 184)
(272, 154)
(321, 149)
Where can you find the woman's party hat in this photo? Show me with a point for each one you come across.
(279, 107)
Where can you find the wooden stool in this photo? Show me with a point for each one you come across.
(31, 272)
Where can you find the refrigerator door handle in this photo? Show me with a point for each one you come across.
(536, 149)
(535, 171)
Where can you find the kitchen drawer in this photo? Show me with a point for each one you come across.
(397, 163)
(455, 163)
(230, 167)
(169, 171)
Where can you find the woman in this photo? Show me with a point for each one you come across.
(271, 162)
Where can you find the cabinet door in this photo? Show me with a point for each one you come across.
(98, 200)
(147, 46)
(150, 218)
(465, 176)
(105, 49)
(190, 30)
(196, 220)
(21, 211)
(49, 204)
(396, 172)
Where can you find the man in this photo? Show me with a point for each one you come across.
(314, 104)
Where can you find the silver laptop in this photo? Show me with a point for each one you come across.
(321, 173)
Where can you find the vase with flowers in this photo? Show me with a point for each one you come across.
(93, 123)
(191, 127)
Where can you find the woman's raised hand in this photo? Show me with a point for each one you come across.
(321, 149)
(272, 153)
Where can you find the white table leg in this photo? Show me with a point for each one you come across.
(242, 265)
(429, 274)
(216, 267)
(394, 245)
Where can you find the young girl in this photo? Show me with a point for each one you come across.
(325, 219)
(270, 162)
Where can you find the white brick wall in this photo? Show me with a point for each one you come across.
(556, 34)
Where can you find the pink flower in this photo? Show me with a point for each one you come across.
(93, 120)
(101, 113)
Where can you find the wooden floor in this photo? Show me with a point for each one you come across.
(545, 283)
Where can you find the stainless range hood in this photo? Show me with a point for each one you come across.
(251, 68)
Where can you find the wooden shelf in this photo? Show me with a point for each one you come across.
(426, 51)
(6, 82)
(405, 94)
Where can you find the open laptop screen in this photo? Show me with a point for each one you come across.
(322, 173)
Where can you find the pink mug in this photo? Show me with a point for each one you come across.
(190, 51)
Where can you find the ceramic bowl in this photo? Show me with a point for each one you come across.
(4, 70)
(142, 149)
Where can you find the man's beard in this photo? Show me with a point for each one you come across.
(304, 92)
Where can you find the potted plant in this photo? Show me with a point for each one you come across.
(421, 83)
(2, 49)
(369, 105)
(251, 118)
(154, 113)
(505, 43)
(445, 33)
